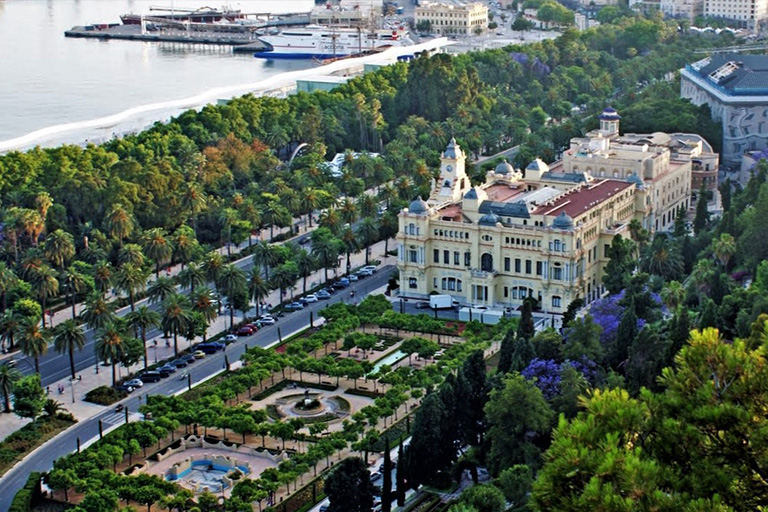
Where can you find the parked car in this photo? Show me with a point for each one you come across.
(229, 338)
(311, 298)
(188, 358)
(369, 268)
(135, 383)
(167, 369)
(244, 331)
(330, 289)
(422, 305)
(323, 295)
(341, 283)
(353, 278)
(179, 363)
(199, 354)
(293, 306)
(267, 320)
(125, 387)
(150, 377)
(302, 301)
(208, 348)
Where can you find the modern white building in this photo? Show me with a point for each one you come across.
(735, 86)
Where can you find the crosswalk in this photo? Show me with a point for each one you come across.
(118, 418)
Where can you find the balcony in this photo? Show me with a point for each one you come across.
(483, 274)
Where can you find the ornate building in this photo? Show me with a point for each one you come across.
(545, 233)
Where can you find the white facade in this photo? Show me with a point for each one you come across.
(747, 12)
(462, 19)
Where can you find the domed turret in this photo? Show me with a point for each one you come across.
(636, 179)
(489, 219)
(504, 168)
(562, 221)
(471, 194)
(418, 207)
(453, 150)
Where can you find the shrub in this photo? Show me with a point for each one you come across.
(105, 395)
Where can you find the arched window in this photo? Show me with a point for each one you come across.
(486, 262)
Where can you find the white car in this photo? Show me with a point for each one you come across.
(369, 268)
(229, 338)
(265, 320)
(311, 298)
(135, 383)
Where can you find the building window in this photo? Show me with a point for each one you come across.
(528, 265)
(413, 256)
(412, 282)
(557, 273)
(434, 282)
(456, 258)
(436, 255)
(506, 292)
(517, 265)
(486, 263)
(539, 266)
(507, 262)
(447, 257)
(467, 259)
(556, 301)
(558, 246)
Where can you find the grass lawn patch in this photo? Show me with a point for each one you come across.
(22, 442)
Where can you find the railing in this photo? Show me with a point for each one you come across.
(483, 274)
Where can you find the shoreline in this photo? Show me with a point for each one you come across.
(139, 118)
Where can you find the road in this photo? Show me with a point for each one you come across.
(55, 367)
(66, 442)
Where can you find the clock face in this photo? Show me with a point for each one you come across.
(448, 168)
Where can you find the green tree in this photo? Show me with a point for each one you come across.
(98, 312)
(131, 279)
(45, 286)
(59, 248)
(368, 232)
(526, 328)
(326, 248)
(8, 281)
(582, 339)
(157, 247)
(142, 320)
(484, 498)
(68, 336)
(701, 219)
(515, 483)
(620, 265)
(109, 346)
(33, 341)
(349, 487)
(73, 283)
(175, 317)
(192, 277)
(28, 397)
(231, 280)
(8, 378)
(517, 414)
(119, 223)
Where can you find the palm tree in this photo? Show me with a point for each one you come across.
(306, 264)
(387, 193)
(212, 266)
(274, 213)
(227, 217)
(192, 276)
(103, 276)
(176, 317)
(310, 201)
(258, 288)
(331, 219)
(185, 245)
(98, 313)
(8, 377)
(157, 247)
(348, 210)
(702, 275)
(724, 248)
(9, 327)
(131, 253)
(351, 244)
(231, 279)
(73, 283)
(638, 234)
(8, 281)
(193, 201)
(43, 202)
(662, 258)
(673, 295)
(325, 248)
(368, 206)
(161, 288)
(142, 320)
(284, 277)
(68, 337)
(33, 340)
(367, 231)
(45, 286)
(265, 255)
(203, 303)
(119, 223)
(388, 226)
(109, 346)
(59, 248)
(131, 279)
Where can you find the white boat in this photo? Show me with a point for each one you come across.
(323, 42)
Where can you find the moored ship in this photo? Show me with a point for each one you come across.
(201, 15)
(323, 42)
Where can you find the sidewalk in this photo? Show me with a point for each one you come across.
(72, 398)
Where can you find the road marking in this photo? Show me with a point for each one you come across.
(118, 418)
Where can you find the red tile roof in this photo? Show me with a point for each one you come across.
(577, 201)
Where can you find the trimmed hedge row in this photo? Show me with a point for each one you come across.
(27, 495)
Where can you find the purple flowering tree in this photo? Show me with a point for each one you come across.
(546, 374)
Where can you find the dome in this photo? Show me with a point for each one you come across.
(453, 150)
(471, 194)
(535, 165)
(609, 114)
(562, 221)
(636, 179)
(489, 219)
(418, 206)
(504, 168)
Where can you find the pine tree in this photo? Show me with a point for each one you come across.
(570, 311)
(506, 352)
(708, 316)
(526, 328)
(523, 353)
(680, 331)
(400, 476)
(680, 230)
(386, 486)
(625, 336)
(702, 213)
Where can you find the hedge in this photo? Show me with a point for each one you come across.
(27, 495)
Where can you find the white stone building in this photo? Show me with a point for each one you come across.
(454, 19)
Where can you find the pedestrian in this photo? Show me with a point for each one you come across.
(47, 390)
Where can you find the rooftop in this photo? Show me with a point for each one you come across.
(735, 74)
(578, 201)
